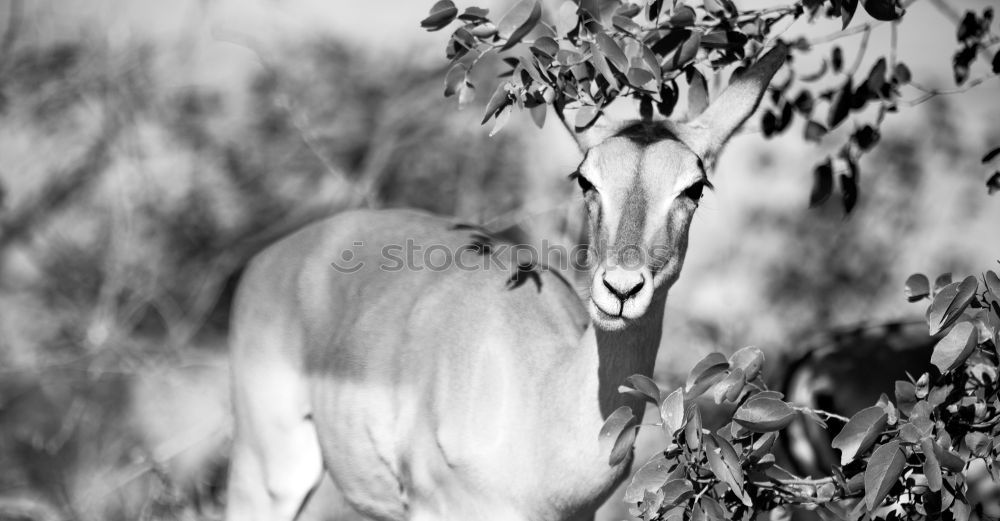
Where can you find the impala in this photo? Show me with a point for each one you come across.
(456, 394)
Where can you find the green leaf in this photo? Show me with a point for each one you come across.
(707, 372)
(847, 8)
(668, 95)
(672, 412)
(466, 95)
(952, 350)
(618, 434)
(910, 434)
(848, 190)
(932, 469)
(841, 105)
(949, 304)
(625, 25)
(518, 22)
(884, 468)
(992, 282)
(941, 282)
(646, 386)
(685, 54)
(726, 466)
(876, 78)
(650, 477)
(483, 30)
(683, 16)
(649, 58)
(822, 183)
(804, 103)
(763, 446)
(454, 80)
(692, 431)
(888, 407)
(612, 51)
(498, 101)
(616, 422)
(546, 46)
(712, 509)
(697, 92)
(459, 44)
(978, 443)
(474, 14)
(628, 10)
(566, 18)
(884, 10)
(949, 459)
(568, 57)
(860, 433)
(902, 73)
(638, 77)
(724, 40)
(764, 414)
(676, 491)
(916, 287)
(442, 13)
(698, 513)
(501, 120)
(731, 386)
(600, 63)
(906, 396)
(750, 359)
(814, 131)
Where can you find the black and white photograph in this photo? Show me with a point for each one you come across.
(499, 260)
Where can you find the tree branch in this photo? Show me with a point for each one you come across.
(932, 93)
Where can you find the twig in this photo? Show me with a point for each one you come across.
(861, 52)
(830, 415)
(893, 37)
(931, 93)
(864, 28)
(807, 481)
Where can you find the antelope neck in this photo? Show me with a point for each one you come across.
(625, 352)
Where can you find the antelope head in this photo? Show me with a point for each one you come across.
(642, 182)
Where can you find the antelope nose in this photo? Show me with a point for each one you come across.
(623, 283)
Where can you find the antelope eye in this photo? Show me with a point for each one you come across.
(585, 185)
(695, 191)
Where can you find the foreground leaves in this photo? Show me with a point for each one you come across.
(618, 435)
(860, 433)
(955, 348)
(884, 468)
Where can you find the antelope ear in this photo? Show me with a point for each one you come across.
(709, 131)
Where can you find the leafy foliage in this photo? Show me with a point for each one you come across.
(591, 54)
(904, 459)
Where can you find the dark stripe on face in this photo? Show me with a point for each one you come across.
(646, 133)
(632, 223)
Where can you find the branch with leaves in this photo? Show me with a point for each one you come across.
(590, 55)
(905, 458)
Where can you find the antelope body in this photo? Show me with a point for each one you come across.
(454, 394)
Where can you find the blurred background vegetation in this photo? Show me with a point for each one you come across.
(148, 150)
